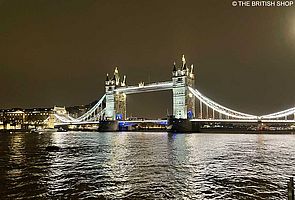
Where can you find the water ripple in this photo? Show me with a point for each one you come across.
(145, 166)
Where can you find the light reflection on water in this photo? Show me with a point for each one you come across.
(146, 165)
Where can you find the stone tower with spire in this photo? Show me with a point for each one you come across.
(115, 101)
(183, 100)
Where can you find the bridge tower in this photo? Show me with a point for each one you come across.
(183, 100)
(115, 101)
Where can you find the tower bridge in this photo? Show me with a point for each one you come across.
(189, 105)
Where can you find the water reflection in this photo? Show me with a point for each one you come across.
(21, 166)
(145, 165)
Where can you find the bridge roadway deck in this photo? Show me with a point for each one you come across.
(193, 120)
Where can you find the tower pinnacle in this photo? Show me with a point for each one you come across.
(117, 76)
(107, 81)
(183, 62)
(124, 81)
(174, 67)
(191, 74)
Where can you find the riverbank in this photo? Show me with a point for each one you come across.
(242, 131)
(202, 130)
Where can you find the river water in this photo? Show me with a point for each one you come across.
(137, 165)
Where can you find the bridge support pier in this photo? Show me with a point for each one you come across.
(108, 125)
(183, 126)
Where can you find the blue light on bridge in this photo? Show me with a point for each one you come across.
(163, 122)
(125, 124)
(119, 116)
(190, 114)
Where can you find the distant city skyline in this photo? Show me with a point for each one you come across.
(58, 53)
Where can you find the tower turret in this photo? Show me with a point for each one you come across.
(113, 81)
(192, 72)
(117, 76)
(174, 71)
(183, 63)
(123, 84)
(107, 81)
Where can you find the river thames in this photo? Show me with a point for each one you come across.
(137, 165)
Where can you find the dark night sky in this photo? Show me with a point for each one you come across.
(57, 52)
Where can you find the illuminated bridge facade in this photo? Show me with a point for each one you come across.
(189, 104)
